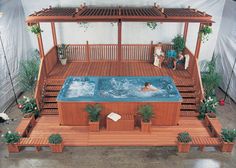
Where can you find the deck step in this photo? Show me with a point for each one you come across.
(53, 88)
(188, 95)
(186, 89)
(188, 107)
(50, 100)
(189, 113)
(50, 106)
(189, 101)
(49, 112)
(51, 94)
(55, 82)
(181, 82)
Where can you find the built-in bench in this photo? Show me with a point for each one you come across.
(203, 142)
(126, 123)
(214, 126)
(26, 126)
(33, 142)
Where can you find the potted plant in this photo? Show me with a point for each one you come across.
(11, 138)
(56, 143)
(94, 113)
(179, 44)
(61, 51)
(208, 106)
(204, 32)
(28, 107)
(228, 136)
(184, 142)
(36, 29)
(147, 113)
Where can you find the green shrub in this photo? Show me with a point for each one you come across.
(184, 137)
(28, 105)
(228, 135)
(93, 111)
(55, 139)
(179, 43)
(208, 105)
(146, 112)
(11, 137)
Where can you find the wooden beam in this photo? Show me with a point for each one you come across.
(40, 44)
(54, 36)
(185, 31)
(199, 41)
(119, 39)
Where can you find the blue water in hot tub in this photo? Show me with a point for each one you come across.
(118, 89)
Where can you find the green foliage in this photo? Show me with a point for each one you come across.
(179, 43)
(36, 29)
(146, 112)
(184, 137)
(152, 25)
(93, 111)
(210, 79)
(61, 49)
(228, 135)
(28, 105)
(29, 73)
(11, 137)
(205, 31)
(207, 106)
(55, 139)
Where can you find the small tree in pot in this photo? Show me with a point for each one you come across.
(11, 138)
(184, 140)
(228, 136)
(147, 113)
(94, 113)
(61, 51)
(56, 144)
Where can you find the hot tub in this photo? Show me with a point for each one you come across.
(121, 94)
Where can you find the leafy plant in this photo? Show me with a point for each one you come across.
(29, 73)
(152, 25)
(146, 112)
(55, 139)
(11, 137)
(228, 135)
(93, 111)
(204, 32)
(210, 79)
(28, 105)
(61, 49)
(184, 137)
(36, 29)
(179, 44)
(207, 106)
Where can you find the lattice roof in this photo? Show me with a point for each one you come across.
(84, 13)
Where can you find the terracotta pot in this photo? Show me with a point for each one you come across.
(57, 148)
(63, 61)
(94, 126)
(146, 126)
(13, 148)
(227, 146)
(183, 147)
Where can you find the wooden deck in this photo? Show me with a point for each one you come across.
(80, 135)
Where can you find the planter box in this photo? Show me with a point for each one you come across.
(57, 148)
(94, 126)
(146, 126)
(227, 146)
(183, 147)
(13, 148)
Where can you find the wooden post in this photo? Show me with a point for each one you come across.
(151, 52)
(54, 36)
(119, 39)
(40, 44)
(199, 40)
(87, 51)
(185, 31)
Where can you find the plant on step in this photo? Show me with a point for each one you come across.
(208, 106)
(152, 25)
(28, 105)
(146, 112)
(228, 135)
(29, 72)
(184, 137)
(55, 139)
(36, 29)
(93, 112)
(11, 137)
(61, 50)
(179, 44)
(210, 78)
(204, 32)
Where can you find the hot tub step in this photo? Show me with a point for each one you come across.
(55, 82)
(51, 94)
(186, 89)
(188, 107)
(188, 95)
(50, 100)
(189, 114)
(53, 88)
(49, 112)
(50, 106)
(189, 101)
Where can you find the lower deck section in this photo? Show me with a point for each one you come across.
(80, 135)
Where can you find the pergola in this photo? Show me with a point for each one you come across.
(119, 15)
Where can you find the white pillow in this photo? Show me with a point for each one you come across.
(186, 61)
(114, 116)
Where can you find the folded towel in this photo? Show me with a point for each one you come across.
(114, 116)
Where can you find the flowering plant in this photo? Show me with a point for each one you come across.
(208, 105)
(11, 137)
(28, 105)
